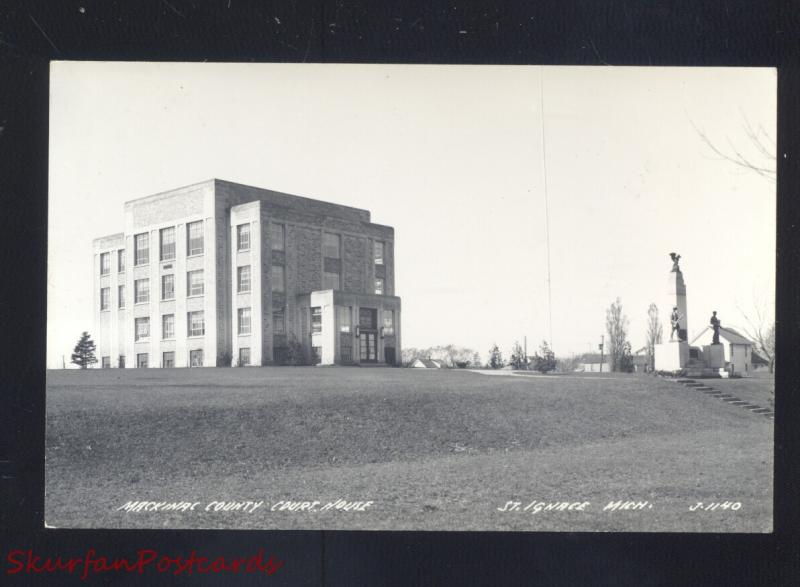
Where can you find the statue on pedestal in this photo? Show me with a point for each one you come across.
(715, 323)
(674, 320)
(675, 259)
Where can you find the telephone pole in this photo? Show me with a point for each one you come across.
(602, 342)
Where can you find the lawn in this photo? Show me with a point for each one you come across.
(430, 449)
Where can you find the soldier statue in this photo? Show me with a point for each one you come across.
(674, 320)
(715, 323)
(675, 259)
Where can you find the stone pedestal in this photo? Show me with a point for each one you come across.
(714, 355)
(676, 297)
(671, 356)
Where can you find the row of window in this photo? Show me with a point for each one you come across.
(195, 286)
(367, 319)
(168, 359)
(195, 325)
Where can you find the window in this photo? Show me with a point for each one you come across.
(121, 296)
(194, 283)
(168, 326)
(105, 298)
(196, 358)
(141, 360)
(316, 355)
(168, 359)
(142, 328)
(316, 320)
(278, 278)
(194, 233)
(168, 243)
(141, 291)
(277, 236)
(141, 249)
(243, 279)
(244, 356)
(168, 287)
(388, 322)
(196, 323)
(345, 318)
(331, 244)
(244, 320)
(106, 362)
(121, 361)
(121, 260)
(243, 237)
(105, 263)
(330, 280)
(278, 321)
(379, 285)
(379, 252)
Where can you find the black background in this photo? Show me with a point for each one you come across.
(588, 32)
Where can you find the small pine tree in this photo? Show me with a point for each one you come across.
(545, 359)
(495, 358)
(83, 353)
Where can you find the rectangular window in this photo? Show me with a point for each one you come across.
(278, 321)
(278, 278)
(121, 296)
(196, 323)
(330, 280)
(244, 320)
(142, 328)
(277, 236)
(316, 320)
(243, 279)
(106, 362)
(168, 326)
(121, 260)
(105, 263)
(121, 361)
(243, 237)
(196, 358)
(194, 283)
(379, 285)
(345, 318)
(331, 245)
(168, 359)
(168, 243)
(141, 360)
(105, 298)
(388, 322)
(141, 249)
(168, 287)
(141, 291)
(380, 251)
(194, 235)
(244, 356)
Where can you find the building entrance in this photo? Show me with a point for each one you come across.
(368, 339)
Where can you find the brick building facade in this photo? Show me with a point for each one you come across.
(219, 273)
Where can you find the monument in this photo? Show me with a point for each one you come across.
(673, 355)
(714, 353)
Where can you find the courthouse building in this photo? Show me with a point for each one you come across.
(218, 274)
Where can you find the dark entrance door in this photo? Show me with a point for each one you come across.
(368, 341)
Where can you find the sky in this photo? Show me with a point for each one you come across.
(474, 166)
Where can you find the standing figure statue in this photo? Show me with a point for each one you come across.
(674, 320)
(715, 323)
(675, 259)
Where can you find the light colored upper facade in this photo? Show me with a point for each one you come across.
(219, 273)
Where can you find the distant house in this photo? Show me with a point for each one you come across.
(426, 364)
(738, 349)
(591, 363)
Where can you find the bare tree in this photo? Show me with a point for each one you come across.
(617, 329)
(761, 330)
(760, 160)
(655, 332)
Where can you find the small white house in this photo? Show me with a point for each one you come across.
(738, 350)
(426, 364)
(594, 363)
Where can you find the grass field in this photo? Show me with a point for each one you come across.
(431, 449)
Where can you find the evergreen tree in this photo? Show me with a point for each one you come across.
(83, 353)
(545, 359)
(495, 358)
(518, 358)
